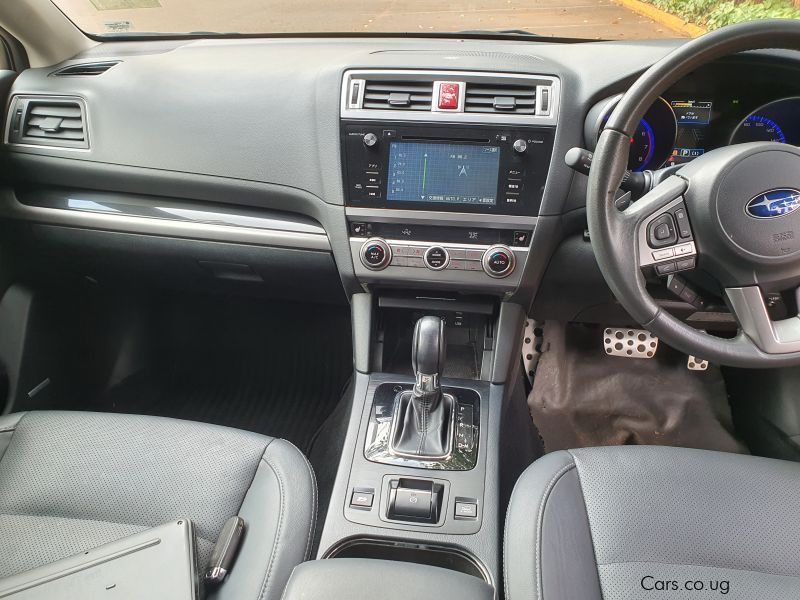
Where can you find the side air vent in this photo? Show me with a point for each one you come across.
(398, 95)
(48, 121)
(84, 69)
(500, 98)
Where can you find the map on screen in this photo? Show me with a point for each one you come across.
(452, 173)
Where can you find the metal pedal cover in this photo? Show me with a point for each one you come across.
(696, 364)
(531, 347)
(629, 343)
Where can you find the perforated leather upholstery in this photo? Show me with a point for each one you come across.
(72, 481)
(613, 522)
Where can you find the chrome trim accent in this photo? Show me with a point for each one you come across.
(12, 102)
(444, 264)
(387, 254)
(773, 337)
(431, 217)
(11, 208)
(511, 262)
(452, 116)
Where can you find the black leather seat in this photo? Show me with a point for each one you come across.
(636, 522)
(72, 481)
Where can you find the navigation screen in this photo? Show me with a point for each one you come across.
(453, 173)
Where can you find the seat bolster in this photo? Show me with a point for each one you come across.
(547, 522)
(8, 424)
(279, 510)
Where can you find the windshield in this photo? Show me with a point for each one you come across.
(588, 19)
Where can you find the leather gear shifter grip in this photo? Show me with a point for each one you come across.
(428, 351)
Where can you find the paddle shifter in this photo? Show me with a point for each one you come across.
(423, 420)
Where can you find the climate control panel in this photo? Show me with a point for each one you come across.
(439, 255)
(497, 261)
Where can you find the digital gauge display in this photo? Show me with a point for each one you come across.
(777, 121)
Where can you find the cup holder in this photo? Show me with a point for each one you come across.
(446, 557)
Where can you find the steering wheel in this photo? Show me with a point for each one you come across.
(747, 250)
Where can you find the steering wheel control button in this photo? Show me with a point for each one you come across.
(436, 258)
(685, 264)
(663, 254)
(362, 499)
(661, 231)
(629, 343)
(666, 268)
(683, 223)
(376, 254)
(684, 249)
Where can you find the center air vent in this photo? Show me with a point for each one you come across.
(398, 95)
(500, 98)
(48, 121)
(97, 68)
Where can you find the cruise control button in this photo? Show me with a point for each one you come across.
(666, 268)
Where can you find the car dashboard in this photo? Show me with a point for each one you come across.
(359, 164)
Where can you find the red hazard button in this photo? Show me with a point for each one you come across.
(448, 96)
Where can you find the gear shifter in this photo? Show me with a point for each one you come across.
(423, 419)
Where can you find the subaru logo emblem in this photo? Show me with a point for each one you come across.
(774, 203)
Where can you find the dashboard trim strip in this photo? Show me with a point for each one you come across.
(11, 208)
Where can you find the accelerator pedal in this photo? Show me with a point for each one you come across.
(629, 343)
(696, 364)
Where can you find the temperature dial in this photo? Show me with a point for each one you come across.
(376, 254)
(498, 261)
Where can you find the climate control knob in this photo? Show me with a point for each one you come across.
(376, 254)
(498, 261)
(436, 258)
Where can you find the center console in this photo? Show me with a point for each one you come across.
(444, 174)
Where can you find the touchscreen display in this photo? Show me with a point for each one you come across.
(452, 173)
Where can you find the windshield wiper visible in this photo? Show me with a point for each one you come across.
(520, 32)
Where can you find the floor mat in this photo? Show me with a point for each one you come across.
(581, 397)
(273, 368)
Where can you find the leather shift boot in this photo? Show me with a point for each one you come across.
(422, 427)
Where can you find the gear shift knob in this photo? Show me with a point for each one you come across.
(427, 354)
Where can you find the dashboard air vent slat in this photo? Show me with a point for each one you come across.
(84, 69)
(48, 121)
(398, 95)
(499, 98)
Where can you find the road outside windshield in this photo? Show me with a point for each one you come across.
(588, 19)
